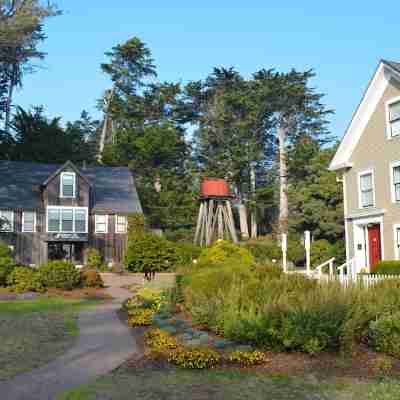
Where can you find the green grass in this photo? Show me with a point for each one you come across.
(175, 384)
(34, 332)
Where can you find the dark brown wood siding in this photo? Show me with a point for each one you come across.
(51, 194)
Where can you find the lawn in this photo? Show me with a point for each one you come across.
(176, 384)
(34, 332)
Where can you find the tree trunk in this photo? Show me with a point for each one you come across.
(283, 182)
(244, 228)
(7, 121)
(253, 216)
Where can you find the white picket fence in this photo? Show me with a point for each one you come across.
(347, 274)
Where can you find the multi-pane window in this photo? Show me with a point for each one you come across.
(68, 184)
(80, 221)
(6, 221)
(394, 118)
(28, 221)
(121, 224)
(101, 223)
(367, 190)
(67, 220)
(396, 183)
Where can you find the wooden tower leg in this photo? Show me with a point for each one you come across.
(199, 223)
(231, 223)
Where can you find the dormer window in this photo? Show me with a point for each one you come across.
(393, 111)
(68, 185)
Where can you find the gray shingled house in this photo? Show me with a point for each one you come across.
(58, 211)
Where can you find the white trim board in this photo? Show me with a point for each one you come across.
(361, 117)
(396, 248)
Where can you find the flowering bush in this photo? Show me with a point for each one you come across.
(140, 317)
(247, 358)
(160, 341)
(194, 358)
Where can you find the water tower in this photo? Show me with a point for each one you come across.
(215, 219)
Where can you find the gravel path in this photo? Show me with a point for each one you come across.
(104, 343)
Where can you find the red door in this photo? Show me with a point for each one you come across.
(374, 243)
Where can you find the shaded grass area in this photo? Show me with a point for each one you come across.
(34, 332)
(175, 384)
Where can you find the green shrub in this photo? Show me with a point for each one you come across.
(387, 268)
(24, 279)
(223, 251)
(321, 251)
(94, 259)
(187, 252)
(264, 251)
(296, 253)
(136, 224)
(385, 334)
(6, 266)
(194, 358)
(60, 275)
(91, 278)
(5, 251)
(146, 250)
(149, 298)
(181, 235)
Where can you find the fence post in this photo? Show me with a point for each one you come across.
(307, 245)
(331, 268)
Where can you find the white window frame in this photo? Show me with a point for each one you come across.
(116, 224)
(396, 248)
(34, 221)
(392, 166)
(95, 223)
(73, 186)
(360, 174)
(12, 220)
(388, 123)
(73, 218)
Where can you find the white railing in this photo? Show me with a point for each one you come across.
(348, 275)
(319, 270)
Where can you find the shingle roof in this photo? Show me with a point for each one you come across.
(114, 187)
(393, 64)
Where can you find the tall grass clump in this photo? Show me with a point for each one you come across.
(257, 304)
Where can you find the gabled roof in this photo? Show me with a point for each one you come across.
(386, 71)
(68, 164)
(113, 188)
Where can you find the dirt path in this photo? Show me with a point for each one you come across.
(104, 343)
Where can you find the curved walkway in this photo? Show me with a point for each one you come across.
(104, 343)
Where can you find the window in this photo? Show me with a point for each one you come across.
(6, 221)
(121, 224)
(80, 221)
(28, 221)
(67, 184)
(396, 229)
(396, 182)
(394, 118)
(101, 223)
(366, 186)
(67, 219)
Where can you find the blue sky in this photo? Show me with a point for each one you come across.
(341, 40)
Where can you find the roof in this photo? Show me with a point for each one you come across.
(393, 64)
(20, 183)
(386, 71)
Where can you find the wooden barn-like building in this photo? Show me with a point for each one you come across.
(58, 211)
